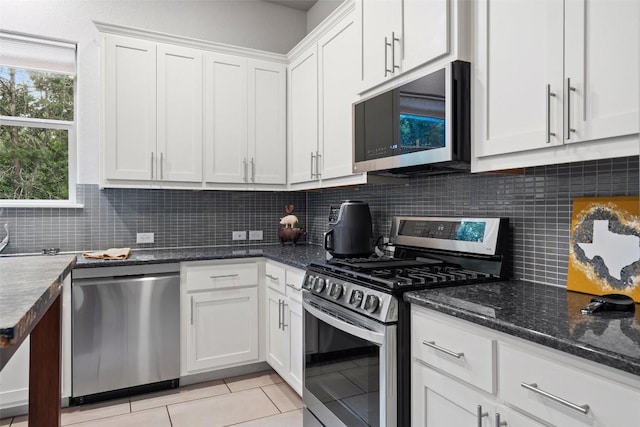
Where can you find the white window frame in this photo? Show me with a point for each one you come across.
(69, 126)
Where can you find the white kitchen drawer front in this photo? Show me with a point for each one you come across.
(294, 279)
(460, 353)
(275, 277)
(207, 277)
(563, 395)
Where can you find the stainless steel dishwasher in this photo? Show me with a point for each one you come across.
(125, 329)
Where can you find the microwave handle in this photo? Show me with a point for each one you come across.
(355, 330)
(328, 247)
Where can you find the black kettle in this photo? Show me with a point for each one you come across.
(351, 230)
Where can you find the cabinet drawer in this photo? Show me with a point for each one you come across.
(293, 281)
(202, 277)
(275, 277)
(558, 393)
(460, 353)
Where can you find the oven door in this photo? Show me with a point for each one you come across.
(350, 369)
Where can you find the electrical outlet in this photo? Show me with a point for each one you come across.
(238, 235)
(255, 234)
(144, 237)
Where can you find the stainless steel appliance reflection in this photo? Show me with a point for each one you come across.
(125, 332)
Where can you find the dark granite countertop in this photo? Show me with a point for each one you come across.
(28, 286)
(545, 315)
(298, 256)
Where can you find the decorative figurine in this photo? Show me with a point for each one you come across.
(290, 229)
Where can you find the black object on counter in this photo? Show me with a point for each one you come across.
(610, 302)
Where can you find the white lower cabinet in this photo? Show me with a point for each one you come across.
(532, 385)
(220, 325)
(284, 324)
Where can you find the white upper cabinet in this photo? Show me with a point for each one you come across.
(381, 38)
(153, 112)
(226, 118)
(520, 95)
(267, 146)
(338, 80)
(129, 108)
(574, 81)
(303, 117)
(601, 66)
(179, 103)
(399, 35)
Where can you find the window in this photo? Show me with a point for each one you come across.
(37, 121)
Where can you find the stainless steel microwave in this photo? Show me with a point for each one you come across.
(421, 125)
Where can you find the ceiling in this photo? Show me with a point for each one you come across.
(303, 5)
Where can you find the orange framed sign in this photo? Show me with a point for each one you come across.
(604, 248)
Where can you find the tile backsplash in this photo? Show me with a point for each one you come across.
(537, 202)
(112, 217)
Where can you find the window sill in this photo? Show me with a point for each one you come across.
(58, 204)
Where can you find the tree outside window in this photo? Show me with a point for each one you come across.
(37, 114)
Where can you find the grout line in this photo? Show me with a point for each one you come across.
(169, 415)
(272, 402)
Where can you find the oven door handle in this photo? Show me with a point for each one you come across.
(362, 333)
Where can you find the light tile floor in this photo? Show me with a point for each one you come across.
(255, 400)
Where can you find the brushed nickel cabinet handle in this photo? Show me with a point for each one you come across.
(224, 276)
(275, 279)
(549, 96)
(161, 165)
(569, 90)
(253, 170)
(318, 155)
(433, 345)
(293, 287)
(394, 39)
(192, 309)
(498, 422)
(280, 322)
(480, 415)
(284, 304)
(583, 409)
(313, 157)
(244, 165)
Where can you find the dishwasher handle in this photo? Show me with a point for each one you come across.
(117, 280)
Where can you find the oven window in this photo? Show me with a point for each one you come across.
(342, 372)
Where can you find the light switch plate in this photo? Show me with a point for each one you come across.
(144, 237)
(255, 234)
(238, 235)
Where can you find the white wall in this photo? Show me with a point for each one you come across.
(320, 11)
(247, 23)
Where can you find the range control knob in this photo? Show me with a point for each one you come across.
(319, 285)
(371, 303)
(309, 282)
(335, 291)
(356, 298)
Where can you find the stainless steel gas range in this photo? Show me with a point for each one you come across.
(357, 363)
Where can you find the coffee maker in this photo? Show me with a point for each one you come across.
(350, 230)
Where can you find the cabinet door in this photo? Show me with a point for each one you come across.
(180, 83)
(226, 118)
(426, 31)
(338, 82)
(519, 53)
(303, 110)
(601, 50)
(130, 109)
(223, 328)
(294, 323)
(277, 337)
(437, 401)
(267, 122)
(381, 40)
